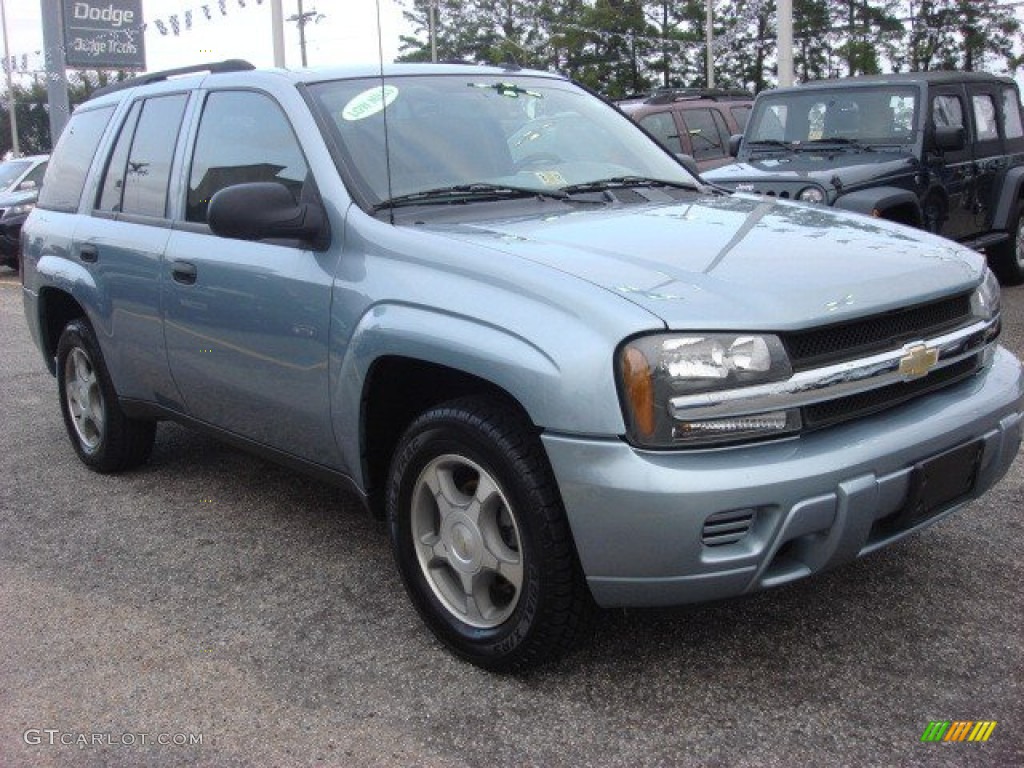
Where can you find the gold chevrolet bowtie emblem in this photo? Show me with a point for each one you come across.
(918, 362)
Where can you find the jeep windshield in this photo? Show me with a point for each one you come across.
(852, 119)
(458, 138)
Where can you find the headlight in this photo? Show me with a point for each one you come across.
(811, 195)
(18, 210)
(654, 369)
(985, 302)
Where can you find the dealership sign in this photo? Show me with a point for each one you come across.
(104, 34)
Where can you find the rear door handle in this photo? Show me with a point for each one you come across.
(183, 272)
(88, 253)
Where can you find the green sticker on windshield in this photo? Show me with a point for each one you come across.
(369, 102)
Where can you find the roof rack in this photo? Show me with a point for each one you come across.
(228, 65)
(669, 95)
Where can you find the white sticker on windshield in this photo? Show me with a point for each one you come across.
(551, 178)
(369, 102)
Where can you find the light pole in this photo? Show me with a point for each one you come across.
(709, 34)
(302, 19)
(432, 23)
(15, 147)
(277, 31)
(785, 42)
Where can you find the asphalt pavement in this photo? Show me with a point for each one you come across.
(212, 609)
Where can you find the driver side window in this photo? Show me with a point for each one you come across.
(243, 137)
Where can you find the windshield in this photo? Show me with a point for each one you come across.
(521, 132)
(884, 115)
(11, 170)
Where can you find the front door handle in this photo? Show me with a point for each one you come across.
(88, 253)
(183, 272)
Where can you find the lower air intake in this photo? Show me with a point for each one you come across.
(727, 527)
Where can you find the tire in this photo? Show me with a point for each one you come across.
(473, 510)
(1007, 259)
(105, 439)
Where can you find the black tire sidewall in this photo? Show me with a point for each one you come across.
(491, 647)
(1004, 259)
(78, 335)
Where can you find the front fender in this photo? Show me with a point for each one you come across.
(553, 396)
(867, 201)
(1011, 191)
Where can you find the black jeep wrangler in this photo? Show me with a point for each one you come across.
(943, 151)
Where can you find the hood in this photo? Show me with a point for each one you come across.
(833, 169)
(9, 199)
(738, 262)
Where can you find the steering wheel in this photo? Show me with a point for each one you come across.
(538, 158)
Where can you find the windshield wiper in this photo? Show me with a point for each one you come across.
(773, 143)
(624, 182)
(464, 193)
(843, 141)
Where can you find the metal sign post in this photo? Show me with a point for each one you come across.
(56, 77)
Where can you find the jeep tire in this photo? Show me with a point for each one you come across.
(1007, 258)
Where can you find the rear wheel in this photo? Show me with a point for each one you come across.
(481, 539)
(105, 439)
(1007, 259)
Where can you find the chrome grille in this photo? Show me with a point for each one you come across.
(834, 411)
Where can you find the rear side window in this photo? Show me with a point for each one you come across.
(69, 164)
(112, 188)
(1011, 112)
(149, 160)
(707, 133)
(243, 137)
(662, 126)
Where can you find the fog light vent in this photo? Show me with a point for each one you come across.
(727, 527)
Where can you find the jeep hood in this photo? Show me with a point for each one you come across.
(736, 262)
(850, 168)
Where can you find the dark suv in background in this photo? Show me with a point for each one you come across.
(694, 121)
(943, 151)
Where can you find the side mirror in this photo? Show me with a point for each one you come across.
(27, 185)
(265, 210)
(734, 144)
(950, 138)
(688, 163)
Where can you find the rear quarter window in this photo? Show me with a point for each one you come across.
(70, 162)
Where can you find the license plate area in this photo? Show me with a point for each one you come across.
(940, 482)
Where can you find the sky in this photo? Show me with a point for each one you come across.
(347, 33)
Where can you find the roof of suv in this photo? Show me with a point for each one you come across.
(939, 77)
(193, 75)
(689, 96)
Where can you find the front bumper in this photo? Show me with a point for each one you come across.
(638, 517)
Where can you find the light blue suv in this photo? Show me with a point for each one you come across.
(565, 370)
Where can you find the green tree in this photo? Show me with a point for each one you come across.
(960, 34)
(33, 111)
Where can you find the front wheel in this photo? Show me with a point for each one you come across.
(481, 539)
(1007, 259)
(105, 439)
